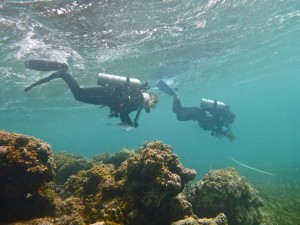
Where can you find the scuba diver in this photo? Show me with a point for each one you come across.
(122, 95)
(212, 115)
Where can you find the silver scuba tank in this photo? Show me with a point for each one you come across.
(212, 104)
(114, 80)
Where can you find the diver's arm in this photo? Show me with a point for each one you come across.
(219, 132)
(187, 113)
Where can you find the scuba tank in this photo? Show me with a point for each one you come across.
(113, 80)
(212, 104)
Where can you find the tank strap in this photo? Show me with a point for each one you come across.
(215, 104)
(127, 81)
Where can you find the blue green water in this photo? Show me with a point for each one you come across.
(242, 52)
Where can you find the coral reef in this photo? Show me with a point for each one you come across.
(114, 158)
(68, 212)
(225, 191)
(26, 164)
(144, 186)
(68, 164)
(143, 190)
(156, 173)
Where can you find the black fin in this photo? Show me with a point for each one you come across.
(161, 85)
(42, 65)
(44, 80)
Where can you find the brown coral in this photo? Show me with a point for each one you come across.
(225, 191)
(142, 190)
(114, 158)
(68, 164)
(219, 220)
(156, 173)
(26, 164)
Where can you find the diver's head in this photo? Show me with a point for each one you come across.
(229, 118)
(150, 100)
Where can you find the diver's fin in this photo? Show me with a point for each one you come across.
(122, 126)
(42, 65)
(44, 80)
(161, 85)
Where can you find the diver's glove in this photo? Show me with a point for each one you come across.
(230, 136)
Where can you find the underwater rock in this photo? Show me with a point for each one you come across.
(68, 164)
(143, 190)
(148, 186)
(26, 165)
(219, 220)
(104, 200)
(69, 211)
(176, 208)
(156, 173)
(90, 182)
(227, 192)
(114, 158)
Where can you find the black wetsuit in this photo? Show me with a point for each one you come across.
(208, 119)
(121, 100)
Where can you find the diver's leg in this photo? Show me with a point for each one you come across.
(73, 84)
(185, 113)
(44, 80)
(97, 95)
(178, 109)
(94, 95)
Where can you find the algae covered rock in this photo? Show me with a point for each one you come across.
(145, 186)
(26, 164)
(68, 212)
(103, 198)
(114, 158)
(88, 183)
(219, 220)
(68, 164)
(156, 173)
(227, 192)
(142, 190)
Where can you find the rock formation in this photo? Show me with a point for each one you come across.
(227, 192)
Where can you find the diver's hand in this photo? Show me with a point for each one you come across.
(230, 136)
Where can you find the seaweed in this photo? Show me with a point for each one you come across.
(282, 201)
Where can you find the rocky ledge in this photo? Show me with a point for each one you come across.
(146, 186)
